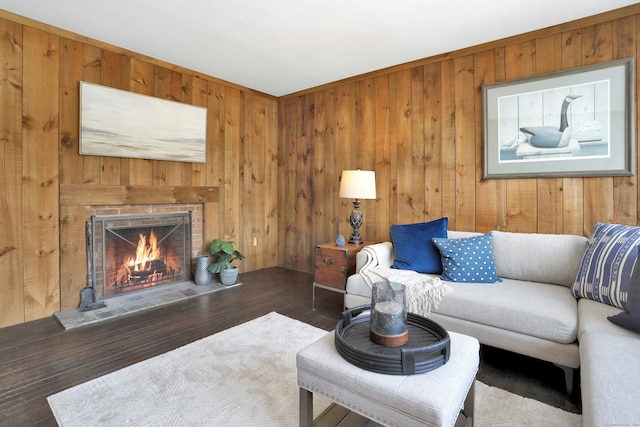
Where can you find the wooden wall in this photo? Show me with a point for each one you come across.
(419, 126)
(45, 183)
(273, 165)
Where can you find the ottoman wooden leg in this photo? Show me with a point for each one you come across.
(306, 408)
(469, 405)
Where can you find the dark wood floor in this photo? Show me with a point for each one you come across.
(40, 358)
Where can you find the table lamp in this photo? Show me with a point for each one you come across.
(357, 184)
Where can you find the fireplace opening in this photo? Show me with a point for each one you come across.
(132, 252)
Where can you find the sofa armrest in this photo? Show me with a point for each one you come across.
(376, 255)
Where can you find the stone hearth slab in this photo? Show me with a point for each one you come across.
(136, 301)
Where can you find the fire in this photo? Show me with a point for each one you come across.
(145, 253)
(150, 264)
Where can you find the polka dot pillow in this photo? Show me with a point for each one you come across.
(468, 259)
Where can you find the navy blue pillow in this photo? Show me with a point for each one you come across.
(630, 318)
(413, 247)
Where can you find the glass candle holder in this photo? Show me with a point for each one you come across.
(388, 324)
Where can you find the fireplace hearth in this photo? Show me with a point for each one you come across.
(133, 252)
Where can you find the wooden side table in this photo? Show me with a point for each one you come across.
(333, 265)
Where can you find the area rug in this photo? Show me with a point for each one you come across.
(242, 376)
(496, 407)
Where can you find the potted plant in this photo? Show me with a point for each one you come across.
(226, 253)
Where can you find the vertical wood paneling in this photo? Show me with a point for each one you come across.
(548, 59)
(365, 131)
(111, 76)
(256, 122)
(625, 189)
(40, 172)
(214, 212)
(449, 144)
(322, 187)
(572, 188)
(270, 244)
(466, 143)
(302, 208)
(277, 163)
(293, 194)
(42, 257)
(418, 163)
(72, 231)
(92, 73)
(403, 148)
(502, 214)
(597, 45)
(383, 159)
(429, 140)
(125, 163)
(199, 97)
(521, 193)
(486, 196)
(433, 142)
(232, 150)
(12, 303)
(71, 73)
(344, 119)
(73, 258)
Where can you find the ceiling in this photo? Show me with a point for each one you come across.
(283, 46)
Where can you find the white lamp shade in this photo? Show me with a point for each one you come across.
(358, 184)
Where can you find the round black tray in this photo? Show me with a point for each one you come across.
(428, 347)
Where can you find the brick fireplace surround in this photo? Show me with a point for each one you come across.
(196, 218)
(151, 297)
(195, 208)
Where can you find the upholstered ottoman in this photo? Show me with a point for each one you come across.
(434, 398)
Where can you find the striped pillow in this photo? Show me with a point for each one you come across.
(607, 264)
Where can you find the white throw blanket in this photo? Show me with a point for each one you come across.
(423, 292)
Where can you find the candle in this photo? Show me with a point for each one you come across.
(389, 318)
(388, 323)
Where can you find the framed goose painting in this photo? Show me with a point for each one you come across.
(578, 122)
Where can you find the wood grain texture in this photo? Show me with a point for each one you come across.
(46, 183)
(80, 195)
(73, 258)
(40, 174)
(11, 221)
(273, 165)
(425, 119)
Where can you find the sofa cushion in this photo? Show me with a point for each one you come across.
(609, 374)
(607, 264)
(545, 258)
(531, 308)
(593, 315)
(413, 248)
(630, 318)
(467, 259)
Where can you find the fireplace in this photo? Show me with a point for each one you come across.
(133, 252)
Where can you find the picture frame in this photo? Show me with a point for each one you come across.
(118, 123)
(573, 123)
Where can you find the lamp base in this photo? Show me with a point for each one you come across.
(356, 219)
(357, 241)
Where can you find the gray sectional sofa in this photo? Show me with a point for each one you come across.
(533, 310)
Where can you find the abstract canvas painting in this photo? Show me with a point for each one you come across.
(118, 123)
